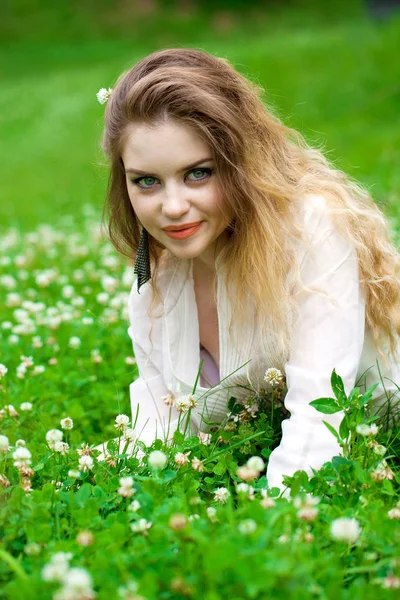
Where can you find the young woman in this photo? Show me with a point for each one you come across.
(252, 251)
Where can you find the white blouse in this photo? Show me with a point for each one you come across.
(330, 333)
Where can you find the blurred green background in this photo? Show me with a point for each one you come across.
(330, 68)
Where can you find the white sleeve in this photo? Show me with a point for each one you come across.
(155, 418)
(328, 334)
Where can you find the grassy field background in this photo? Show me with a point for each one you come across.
(331, 72)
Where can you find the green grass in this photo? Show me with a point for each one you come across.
(336, 83)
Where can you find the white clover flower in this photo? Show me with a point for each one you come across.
(193, 517)
(74, 473)
(129, 435)
(4, 444)
(21, 370)
(53, 436)
(211, 513)
(380, 450)
(54, 572)
(86, 463)
(242, 487)
(197, 464)
(20, 443)
(205, 438)
(74, 342)
(13, 299)
(61, 447)
(141, 526)
(345, 529)
(102, 298)
(394, 513)
(32, 549)
(67, 423)
(134, 506)
(367, 430)
(38, 369)
(308, 501)
(256, 463)
(128, 591)
(247, 526)
(85, 538)
(382, 471)
(11, 410)
(182, 458)
(37, 342)
(87, 320)
(26, 328)
(26, 406)
(109, 283)
(245, 488)
(8, 282)
(221, 494)
(22, 457)
(3, 370)
(103, 95)
(95, 356)
(157, 459)
(79, 582)
(186, 402)
(78, 301)
(390, 582)
(27, 360)
(273, 376)
(121, 422)
(267, 502)
(126, 481)
(247, 474)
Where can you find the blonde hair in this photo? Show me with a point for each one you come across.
(263, 166)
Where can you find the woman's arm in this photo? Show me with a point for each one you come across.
(155, 418)
(329, 334)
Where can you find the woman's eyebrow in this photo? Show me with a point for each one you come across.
(198, 162)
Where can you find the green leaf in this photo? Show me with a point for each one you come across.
(328, 406)
(274, 492)
(220, 468)
(83, 494)
(178, 437)
(387, 487)
(338, 461)
(100, 494)
(332, 430)
(344, 428)
(266, 452)
(368, 395)
(168, 476)
(338, 388)
(353, 394)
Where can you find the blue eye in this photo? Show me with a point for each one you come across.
(149, 177)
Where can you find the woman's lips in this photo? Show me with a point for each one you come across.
(183, 233)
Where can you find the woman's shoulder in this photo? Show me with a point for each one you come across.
(309, 206)
(313, 213)
(139, 301)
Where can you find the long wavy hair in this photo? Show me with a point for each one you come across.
(263, 167)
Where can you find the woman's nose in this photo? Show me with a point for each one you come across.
(175, 203)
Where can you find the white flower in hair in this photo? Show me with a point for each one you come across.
(103, 95)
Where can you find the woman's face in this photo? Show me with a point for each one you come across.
(171, 180)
